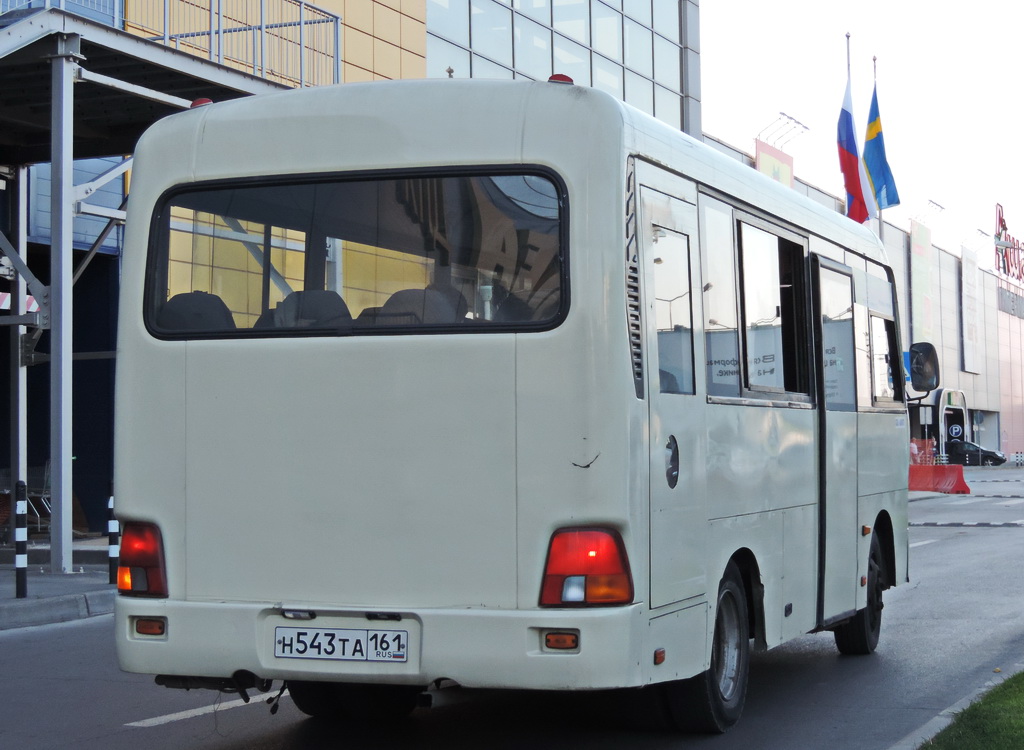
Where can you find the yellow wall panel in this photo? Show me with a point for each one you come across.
(356, 74)
(414, 36)
(413, 66)
(359, 48)
(387, 24)
(387, 59)
(359, 14)
(415, 9)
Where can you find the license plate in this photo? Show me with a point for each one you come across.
(341, 644)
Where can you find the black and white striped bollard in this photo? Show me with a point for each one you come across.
(113, 540)
(21, 541)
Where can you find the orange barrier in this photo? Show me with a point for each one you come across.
(947, 479)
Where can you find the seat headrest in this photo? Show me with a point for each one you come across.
(195, 311)
(314, 308)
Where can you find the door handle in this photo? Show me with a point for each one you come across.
(672, 461)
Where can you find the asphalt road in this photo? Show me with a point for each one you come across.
(943, 636)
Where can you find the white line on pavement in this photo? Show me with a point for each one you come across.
(182, 715)
(921, 544)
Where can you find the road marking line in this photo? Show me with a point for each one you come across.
(921, 544)
(182, 715)
(967, 502)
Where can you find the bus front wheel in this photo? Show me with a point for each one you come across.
(859, 636)
(712, 701)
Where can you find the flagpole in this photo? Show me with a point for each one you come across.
(881, 225)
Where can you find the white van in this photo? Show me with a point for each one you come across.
(501, 383)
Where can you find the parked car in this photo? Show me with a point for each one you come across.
(972, 454)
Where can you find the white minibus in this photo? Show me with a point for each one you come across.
(501, 384)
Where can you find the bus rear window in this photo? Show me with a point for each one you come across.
(358, 256)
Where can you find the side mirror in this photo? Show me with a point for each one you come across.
(924, 367)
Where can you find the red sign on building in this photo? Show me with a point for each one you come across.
(1008, 250)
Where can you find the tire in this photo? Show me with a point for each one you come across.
(987, 461)
(314, 698)
(713, 701)
(859, 636)
(354, 702)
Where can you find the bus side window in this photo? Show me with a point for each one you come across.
(721, 322)
(886, 362)
(837, 332)
(672, 312)
(774, 330)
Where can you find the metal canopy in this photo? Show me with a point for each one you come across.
(74, 89)
(107, 121)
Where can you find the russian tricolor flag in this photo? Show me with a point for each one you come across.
(859, 201)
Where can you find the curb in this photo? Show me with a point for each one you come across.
(919, 736)
(41, 556)
(24, 613)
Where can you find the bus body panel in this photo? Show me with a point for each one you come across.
(841, 554)
(763, 458)
(337, 494)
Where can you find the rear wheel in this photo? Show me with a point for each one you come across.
(859, 636)
(988, 461)
(355, 702)
(314, 698)
(713, 701)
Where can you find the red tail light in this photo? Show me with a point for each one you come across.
(586, 567)
(141, 567)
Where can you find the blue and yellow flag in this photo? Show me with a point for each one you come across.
(879, 175)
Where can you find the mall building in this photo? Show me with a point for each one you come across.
(131, 63)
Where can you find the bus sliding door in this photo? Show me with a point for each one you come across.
(834, 306)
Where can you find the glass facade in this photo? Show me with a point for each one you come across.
(628, 48)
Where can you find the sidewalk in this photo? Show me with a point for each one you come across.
(56, 597)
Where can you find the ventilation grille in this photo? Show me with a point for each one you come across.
(633, 320)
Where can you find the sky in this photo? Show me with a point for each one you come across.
(950, 80)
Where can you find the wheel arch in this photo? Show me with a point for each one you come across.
(750, 573)
(883, 528)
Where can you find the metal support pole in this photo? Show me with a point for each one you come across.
(18, 398)
(213, 15)
(21, 540)
(61, 175)
(263, 37)
(337, 50)
(220, 32)
(302, 44)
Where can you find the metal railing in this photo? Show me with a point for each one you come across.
(289, 41)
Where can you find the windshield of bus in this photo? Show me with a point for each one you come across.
(364, 255)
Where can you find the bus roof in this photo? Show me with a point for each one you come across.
(413, 123)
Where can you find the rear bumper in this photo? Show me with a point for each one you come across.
(475, 647)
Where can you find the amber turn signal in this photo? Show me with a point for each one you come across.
(151, 626)
(562, 641)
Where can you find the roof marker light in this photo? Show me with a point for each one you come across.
(560, 78)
